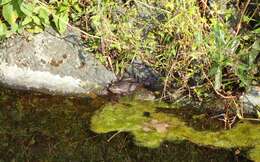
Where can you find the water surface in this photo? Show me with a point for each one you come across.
(39, 127)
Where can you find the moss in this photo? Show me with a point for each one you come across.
(128, 116)
(255, 153)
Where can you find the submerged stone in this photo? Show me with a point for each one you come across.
(251, 100)
(52, 64)
(153, 130)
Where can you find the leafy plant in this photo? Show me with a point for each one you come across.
(173, 38)
(35, 15)
(192, 45)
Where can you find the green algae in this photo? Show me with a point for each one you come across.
(129, 116)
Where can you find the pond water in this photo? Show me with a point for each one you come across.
(39, 127)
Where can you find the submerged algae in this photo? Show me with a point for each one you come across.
(38, 127)
(129, 116)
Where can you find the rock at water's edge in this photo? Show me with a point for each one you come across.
(51, 64)
(145, 75)
(251, 100)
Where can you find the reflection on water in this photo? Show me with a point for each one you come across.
(37, 127)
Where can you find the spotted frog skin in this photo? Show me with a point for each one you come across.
(123, 87)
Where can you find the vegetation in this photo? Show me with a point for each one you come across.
(152, 130)
(35, 15)
(195, 45)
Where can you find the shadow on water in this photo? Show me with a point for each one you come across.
(37, 127)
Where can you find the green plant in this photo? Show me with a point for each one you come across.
(222, 51)
(175, 39)
(35, 15)
(190, 45)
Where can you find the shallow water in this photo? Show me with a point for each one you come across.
(38, 127)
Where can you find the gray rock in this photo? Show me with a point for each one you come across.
(145, 75)
(52, 64)
(251, 100)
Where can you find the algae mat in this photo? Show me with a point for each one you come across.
(151, 128)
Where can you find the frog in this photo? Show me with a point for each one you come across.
(123, 87)
(144, 94)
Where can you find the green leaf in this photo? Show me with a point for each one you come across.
(227, 62)
(242, 67)
(10, 14)
(27, 8)
(258, 114)
(44, 16)
(3, 29)
(77, 8)
(73, 2)
(246, 19)
(64, 7)
(26, 21)
(3, 2)
(36, 20)
(219, 36)
(198, 38)
(256, 45)
(218, 78)
(61, 21)
(241, 72)
(35, 29)
(233, 45)
(257, 31)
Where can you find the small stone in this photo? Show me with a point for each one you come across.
(160, 127)
(146, 129)
(146, 114)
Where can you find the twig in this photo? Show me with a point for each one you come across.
(241, 17)
(110, 63)
(152, 7)
(113, 136)
(217, 92)
(251, 119)
(166, 80)
(205, 6)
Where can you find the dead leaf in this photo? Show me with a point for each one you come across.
(160, 127)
